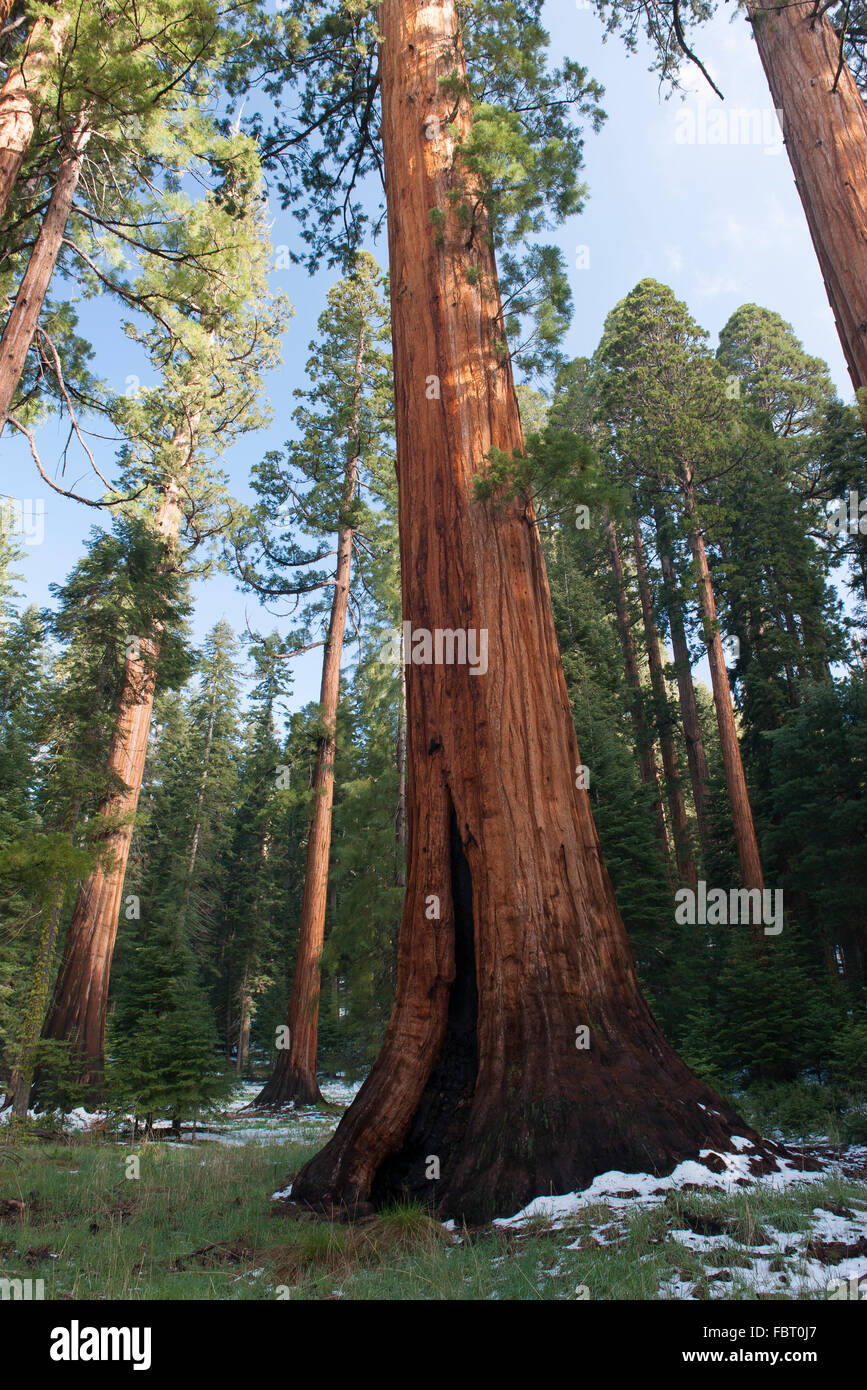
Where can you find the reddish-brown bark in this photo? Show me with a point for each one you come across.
(400, 758)
(824, 124)
(293, 1079)
(683, 847)
(20, 95)
(78, 1009)
(22, 321)
(736, 782)
(480, 1068)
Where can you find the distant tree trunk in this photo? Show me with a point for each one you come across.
(246, 998)
(78, 1009)
(21, 92)
(683, 846)
(293, 1080)
(22, 322)
(181, 923)
(825, 128)
(229, 1015)
(736, 784)
(643, 735)
(511, 942)
(695, 754)
(251, 960)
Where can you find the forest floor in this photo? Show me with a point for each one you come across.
(205, 1219)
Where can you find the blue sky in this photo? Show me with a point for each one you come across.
(697, 193)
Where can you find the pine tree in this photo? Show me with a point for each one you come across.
(367, 867)
(343, 420)
(163, 1042)
(600, 697)
(212, 778)
(216, 337)
(248, 916)
(816, 812)
(110, 591)
(128, 110)
(674, 423)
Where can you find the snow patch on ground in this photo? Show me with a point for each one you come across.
(622, 1190)
(231, 1126)
(76, 1120)
(305, 1125)
(809, 1263)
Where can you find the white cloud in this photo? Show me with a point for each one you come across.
(712, 286)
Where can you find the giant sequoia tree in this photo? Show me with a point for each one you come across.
(511, 941)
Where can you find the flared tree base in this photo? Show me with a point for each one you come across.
(475, 1141)
(288, 1086)
(510, 1154)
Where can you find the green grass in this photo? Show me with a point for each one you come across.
(199, 1224)
(118, 1237)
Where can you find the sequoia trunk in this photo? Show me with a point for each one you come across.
(400, 758)
(78, 1010)
(293, 1079)
(22, 321)
(825, 128)
(511, 943)
(683, 847)
(19, 96)
(736, 782)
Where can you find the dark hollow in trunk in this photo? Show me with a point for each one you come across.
(494, 755)
(444, 1107)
